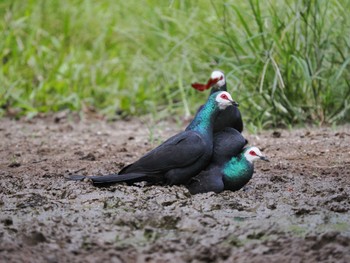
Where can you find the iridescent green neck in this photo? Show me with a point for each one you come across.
(204, 120)
(236, 168)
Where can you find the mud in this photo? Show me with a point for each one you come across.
(295, 209)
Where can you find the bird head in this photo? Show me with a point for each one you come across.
(219, 77)
(217, 81)
(224, 99)
(253, 153)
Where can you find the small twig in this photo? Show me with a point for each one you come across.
(79, 170)
(39, 161)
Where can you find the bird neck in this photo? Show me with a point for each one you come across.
(216, 89)
(237, 168)
(204, 120)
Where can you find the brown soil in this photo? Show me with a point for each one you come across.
(295, 209)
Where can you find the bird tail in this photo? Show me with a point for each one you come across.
(118, 178)
(111, 178)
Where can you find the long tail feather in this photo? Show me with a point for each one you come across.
(117, 178)
(109, 179)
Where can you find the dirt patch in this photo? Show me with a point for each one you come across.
(295, 208)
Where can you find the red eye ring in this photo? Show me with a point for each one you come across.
(224, 96)
(252, 153)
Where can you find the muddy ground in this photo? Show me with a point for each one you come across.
(295, 209)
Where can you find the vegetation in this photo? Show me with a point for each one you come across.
(286, 62)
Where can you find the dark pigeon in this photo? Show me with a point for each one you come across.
(231, 175)
(231, 116)
(180, 157)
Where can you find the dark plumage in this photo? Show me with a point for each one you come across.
(180, 157)
(230, 175)
(231, 116)
(227, 143)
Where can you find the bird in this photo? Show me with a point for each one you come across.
(231, 175)
(180, 157)
(227, 143)
(231, 116)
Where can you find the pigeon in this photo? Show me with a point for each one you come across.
(180, 157)
(231, 116)
(227, 143)
(231, 175)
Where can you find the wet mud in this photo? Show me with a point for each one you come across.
(295, 209)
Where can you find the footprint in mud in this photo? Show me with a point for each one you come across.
(34, 238)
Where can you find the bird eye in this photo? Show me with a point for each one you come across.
(224, 96)
(252, 153)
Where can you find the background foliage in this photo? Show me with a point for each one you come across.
(286, 62)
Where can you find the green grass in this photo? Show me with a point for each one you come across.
(285, 63)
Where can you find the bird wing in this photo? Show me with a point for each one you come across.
(227, 144)
(207, 181)
(181, 150)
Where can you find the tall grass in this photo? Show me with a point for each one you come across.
(285, 63)
(291, 58)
